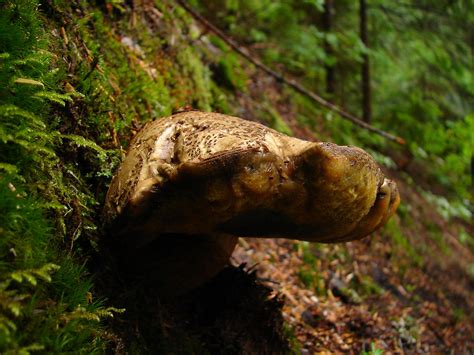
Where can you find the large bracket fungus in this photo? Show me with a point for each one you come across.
(194, 182)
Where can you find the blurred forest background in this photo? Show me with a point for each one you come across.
(79, 78)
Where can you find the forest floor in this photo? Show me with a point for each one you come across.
(406, 288)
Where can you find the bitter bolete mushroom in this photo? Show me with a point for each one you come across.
(194, 182)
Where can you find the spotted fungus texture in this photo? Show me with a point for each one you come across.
(194, 182)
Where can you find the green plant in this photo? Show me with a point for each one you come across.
(373, 350)
(37, 189)
(401, 243)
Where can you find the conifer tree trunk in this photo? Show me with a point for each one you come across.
(330, 70)
(365, 70)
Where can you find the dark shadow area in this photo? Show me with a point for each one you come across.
(231, 314)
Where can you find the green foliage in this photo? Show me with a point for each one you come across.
(13, 301)
(309, 273)
(134, 80)
(228, 71)
(81, 141)
(274, 120)
(436, 234)
(446, 208)
(401, 243)
(466, 239)
(31, 276)
(373, 350)
(292, 41)
(81, 313)
(122, 82)
(36, 196)
(24, 230)
(366, 286)
(200, 78)
(428, 95)
(290, 334)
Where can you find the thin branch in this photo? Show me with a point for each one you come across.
(290, 82)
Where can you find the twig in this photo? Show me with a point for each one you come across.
(290, 82)
(266, 279)
(94, 64)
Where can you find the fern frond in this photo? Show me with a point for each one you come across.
(7, 327)
(26, 350)
(81, 313)
(36, 149)
(37, 58)
(34, 135)
(8, 168)
(52, 96)
(9, 110)
(27, 81)
(31, 275)
(10, 301)
(81, 141)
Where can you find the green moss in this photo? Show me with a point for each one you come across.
(466, 238)
(200, 95)
(125, 87)
(45, 203)
(400, 242)
(366, 286)
(373, 350)
(436, 233)
(229, 74)
(308, 273)
(290, 334)
(274, 119)
(220, 100)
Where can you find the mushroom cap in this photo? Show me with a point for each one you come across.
(197, 173)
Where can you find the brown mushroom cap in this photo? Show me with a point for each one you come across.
(222, 177)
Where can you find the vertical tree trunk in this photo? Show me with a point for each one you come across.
(330, 70)
(365, 72)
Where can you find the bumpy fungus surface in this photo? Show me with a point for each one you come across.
(192, 183)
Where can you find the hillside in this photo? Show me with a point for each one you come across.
(78, 81)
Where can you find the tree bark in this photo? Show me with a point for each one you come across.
(365, 70)
(330, 69)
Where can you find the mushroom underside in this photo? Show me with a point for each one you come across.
(175, 263)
